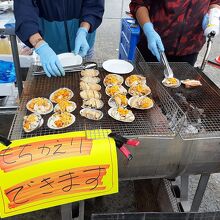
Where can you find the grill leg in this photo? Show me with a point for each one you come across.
(203, 181)
(69, 211)
(184, 188)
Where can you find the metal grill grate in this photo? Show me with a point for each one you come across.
(201, 104)
(150, 123)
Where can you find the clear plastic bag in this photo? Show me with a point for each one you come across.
(7, 72)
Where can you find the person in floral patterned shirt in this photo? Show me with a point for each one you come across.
(177, 27)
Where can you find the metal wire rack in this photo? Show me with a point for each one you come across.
(149, 123)
(201, 104)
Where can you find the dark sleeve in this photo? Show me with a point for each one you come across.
(92, 12)
(217, 2)
(135, 4)
(26, 16)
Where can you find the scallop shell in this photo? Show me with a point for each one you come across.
(56, 116)
(91, 114)
(90, 72)
(134, 102)
(34, 107)
(171, 85)
(38, 123)
(55, 97)
(134, 92)
(89, 79)
(69, 108)
(120, 88)
(118, 80)
(88, 94)
(113, 112)
(113, 103)
(191, 83)
(93, 103)
(89, 86)
(140, 79)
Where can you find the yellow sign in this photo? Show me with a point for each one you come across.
(46, 171)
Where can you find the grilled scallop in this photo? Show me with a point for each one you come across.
(91, 114)
(90, 72)
(89, 79)
(93, 103)
(119, 100)
(113, 90)
(61, 94)
(89, 86)
(142, 102)
(191, 83)
(40, 106)
(65, 106)
(88, 94)
(121, 114)
(113, 79)
(171, 82)
(135, 79)
(61, 120)
(139, 90)
(32, 122)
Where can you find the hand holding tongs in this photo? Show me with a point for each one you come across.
(70, 69)
(168, 73)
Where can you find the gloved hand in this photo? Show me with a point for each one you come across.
(49, 61)
(155, 44)
(211, 21)
(81, 44)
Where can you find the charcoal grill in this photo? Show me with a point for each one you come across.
(167, 148)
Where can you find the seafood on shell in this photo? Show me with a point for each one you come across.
(40, 106)
(90, 72)
(113, 90)
(121, 114)
(89, 79)
(93, 103)
(139, 90)
(88, 94)
(89, 86)
(171, 82)
(60, 120)
(113, 79)
(91, 114)
(61, 94)
(135, 79)
(118, 100)
(141, 102)
(191, 83)
(65, 106)
(32, 122)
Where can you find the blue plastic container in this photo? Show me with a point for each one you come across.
(130, 35)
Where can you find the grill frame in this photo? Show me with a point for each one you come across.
(148, 124)
(206, 97)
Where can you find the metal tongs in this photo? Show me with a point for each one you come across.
(69, 69)
(208, 49)
(168, 72)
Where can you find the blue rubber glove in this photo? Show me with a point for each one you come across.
(211, 22)
(155, 44)
(49, 61)
(81, 44)
(205, 21)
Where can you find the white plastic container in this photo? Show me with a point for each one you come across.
(7, 89)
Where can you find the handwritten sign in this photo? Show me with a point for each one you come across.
(42, 172)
